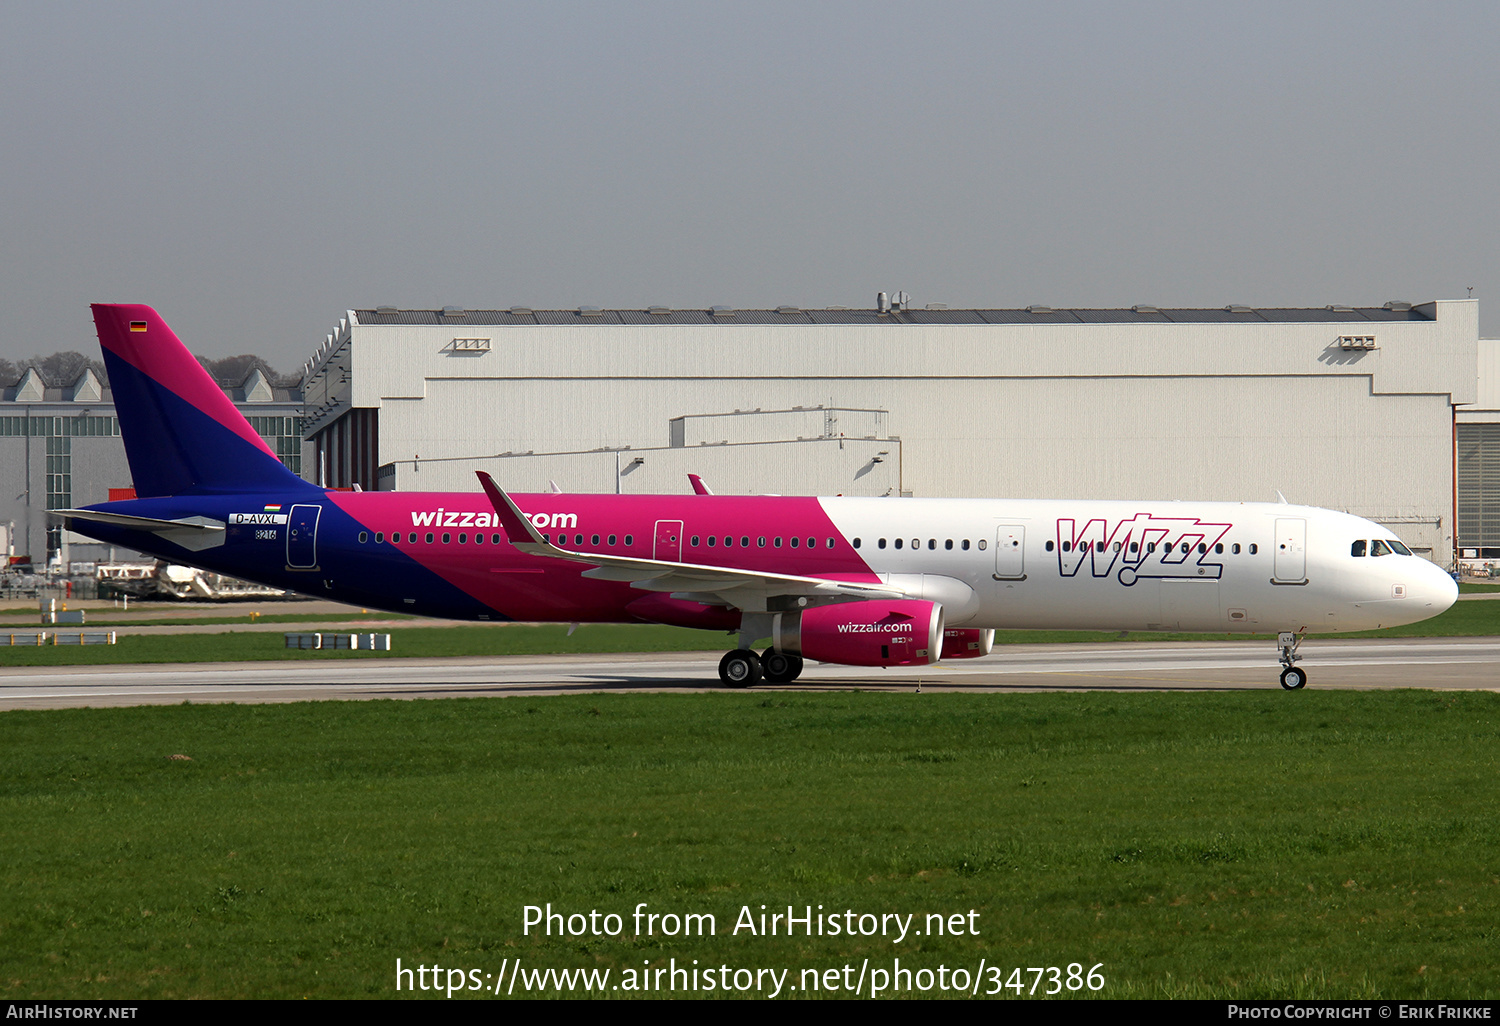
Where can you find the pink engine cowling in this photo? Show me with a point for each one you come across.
(875, 632)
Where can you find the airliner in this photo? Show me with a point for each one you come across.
(868, 582)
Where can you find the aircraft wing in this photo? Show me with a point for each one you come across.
(743, 589)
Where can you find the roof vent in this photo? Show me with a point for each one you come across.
(722, 311)
(835, 308)
(788, 309)
(1397, 306)
(937, 306)
(1040, 310)
(658, 311)
(453, 311)
(520, 311)
(590, 311)
(1236, 308)
(1340, 308)
(882, 303)
(385, 311)
(1141, 308)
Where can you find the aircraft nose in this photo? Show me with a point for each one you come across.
(1438, 589)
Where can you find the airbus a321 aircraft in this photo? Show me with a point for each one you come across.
(855, 581)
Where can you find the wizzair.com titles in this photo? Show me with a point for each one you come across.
(441, 517)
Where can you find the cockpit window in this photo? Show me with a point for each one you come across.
(1358, 548)
(1400, 548)
(1379, 548)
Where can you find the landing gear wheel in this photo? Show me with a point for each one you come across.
(740, 668)
(780, 667)
(1293, 679)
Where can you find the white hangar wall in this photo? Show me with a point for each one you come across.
(1087, 404)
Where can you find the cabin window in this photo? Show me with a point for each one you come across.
(881, 544)
(796, 541)
(1117, 546)
(1135, 546)
(1185, 548)
(898, 543)
(856, 543)
(613, 538)
(379, 537)
(713, 540)
(1202, 548)
(916, 543)
(364, 536)
(1219, 549)
(831, 543)
(1254, 548)
(931, 543)
(948, 544)
(594, 539)
(761, 541)
(728, 541)
(479, 539)
(1150, 547)
(1234, 550)
(695, 541)
(1358, 548)
(428, 539)
(776, 542)
(1379, 548)
(983, 544)
(1049, 546)
(447, 537)
(463, 539)
(412, 538)
(1098, 546)
(966, 545)
(1067, 546)
(629, 539)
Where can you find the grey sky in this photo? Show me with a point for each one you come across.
(253, 170)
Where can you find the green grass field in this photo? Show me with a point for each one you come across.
(1463, 619)
(1245, 844)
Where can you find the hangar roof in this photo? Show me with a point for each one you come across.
(931, 315)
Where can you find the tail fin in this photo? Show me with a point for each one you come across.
(181, 432)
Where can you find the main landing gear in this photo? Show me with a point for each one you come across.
(742, 668)
(1292, 678)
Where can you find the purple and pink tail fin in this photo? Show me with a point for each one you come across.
(181, 432)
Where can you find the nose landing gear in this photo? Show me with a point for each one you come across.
(1292, 679)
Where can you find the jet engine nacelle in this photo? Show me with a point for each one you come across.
(967, 642)
(876, 632)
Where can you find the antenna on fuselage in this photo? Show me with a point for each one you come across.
(1281, 498)
(553, 485)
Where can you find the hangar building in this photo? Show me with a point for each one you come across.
(1343, 407)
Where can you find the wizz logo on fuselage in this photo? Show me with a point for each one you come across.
(1144, 546)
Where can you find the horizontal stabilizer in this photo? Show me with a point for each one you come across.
(193, 533)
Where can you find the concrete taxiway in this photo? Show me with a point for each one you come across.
(1438, 663)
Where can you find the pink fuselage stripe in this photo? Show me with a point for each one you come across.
(160, 355)
(559, 591)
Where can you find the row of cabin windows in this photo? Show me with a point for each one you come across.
(728, 542)
(1234, 549)
(463, 539)
(916, 543)
(1379, 547)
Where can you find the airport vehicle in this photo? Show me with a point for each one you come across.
(855, 581)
